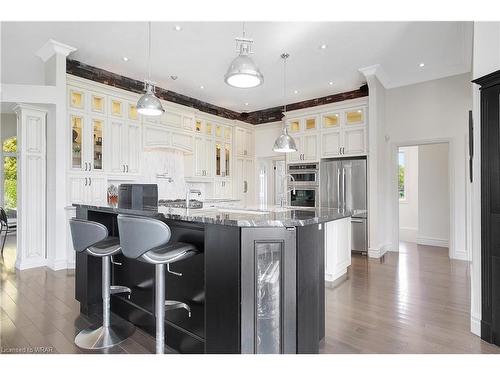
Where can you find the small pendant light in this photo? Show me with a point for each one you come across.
(284, 143)
(243, 72)
(149, 104)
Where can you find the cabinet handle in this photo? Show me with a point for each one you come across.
(85, 166)
(90, 181)
(85, 181)
(245, 186)
(90, 166)
(127, 168)
(123, 168)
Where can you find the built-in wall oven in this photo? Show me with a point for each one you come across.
(303, 185)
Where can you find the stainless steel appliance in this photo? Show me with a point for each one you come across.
(343, 186)
(303, 189)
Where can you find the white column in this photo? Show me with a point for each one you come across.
(31, 149)
(54, 56)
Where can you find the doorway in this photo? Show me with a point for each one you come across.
(8, 189)
(423, 184)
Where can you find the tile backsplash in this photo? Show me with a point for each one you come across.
(170, 163)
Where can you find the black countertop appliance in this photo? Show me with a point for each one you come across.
(138, 196)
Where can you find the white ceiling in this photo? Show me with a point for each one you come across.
(200, 53)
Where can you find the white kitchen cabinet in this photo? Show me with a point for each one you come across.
(222, 153)
(337, 248)
(354, 141)
(244, 181)
(244, 142)
(222, 188)
(331, 143)
(87, 189)
(199, 165)
(124, 147)
(307, 148)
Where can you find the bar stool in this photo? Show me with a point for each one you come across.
(92, 238)
(148, 240)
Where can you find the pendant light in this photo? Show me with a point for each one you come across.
(243, 73)
(149, 104)
(284, 143)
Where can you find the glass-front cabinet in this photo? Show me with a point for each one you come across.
(222, 159)
(268, 311)
(77, 125)
(97, 143)
(331, 120)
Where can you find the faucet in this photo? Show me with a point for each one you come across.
(188, 194)
(283, 198)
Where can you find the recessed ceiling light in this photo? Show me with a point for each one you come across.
(246, 104)
(330, 83)
(125, 58)
(177, 28)
(421, 65)
(202, 87)
(295, 91)
(323, 46)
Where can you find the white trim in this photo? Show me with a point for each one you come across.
(429, 241)
(52, 47)
(24, 264)
(57, 264)
(325, 108)
(379, 251)
(475, 325)
(28, 93)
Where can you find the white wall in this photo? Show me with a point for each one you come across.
(435, 110)
(265, 135)
(408, 208)
(433, 195)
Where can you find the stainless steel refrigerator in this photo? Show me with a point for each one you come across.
(343, 186)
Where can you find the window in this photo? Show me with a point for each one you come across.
(10, 173)
(402, 175)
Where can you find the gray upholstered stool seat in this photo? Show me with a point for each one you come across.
(92, 238)
(169, 253)
(107, 247)
(148, 240)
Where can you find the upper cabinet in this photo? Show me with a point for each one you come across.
(355, 116)
(244, 142)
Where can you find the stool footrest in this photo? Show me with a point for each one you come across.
(116, 289)
(173, 305)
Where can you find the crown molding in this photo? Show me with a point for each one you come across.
(53, 47)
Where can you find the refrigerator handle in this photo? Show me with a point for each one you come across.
(343, 188)
(338, 188)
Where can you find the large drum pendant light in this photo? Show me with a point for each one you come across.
(284, 143)
(243, 72)
(149, 104)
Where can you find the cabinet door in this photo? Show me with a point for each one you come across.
(199, 156)
(239, 180)
(116, 141)
(310, 147)
(337, 248)
(249, 142)
(98, 125)
(249, 182)
(133, 148)
(355, 116)
(354, 141)
(330, 143)
(78, 141)
(227, 160)
(240, 140)
(78, 192)
(97, 187)
(219, 156)
(294, 157)
(227, 189)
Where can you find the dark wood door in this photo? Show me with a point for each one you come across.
(490, 206)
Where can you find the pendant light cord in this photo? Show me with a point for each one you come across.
(149, 52)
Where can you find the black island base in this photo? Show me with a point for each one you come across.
(256, 286)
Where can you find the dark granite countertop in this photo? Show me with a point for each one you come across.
(241, 217)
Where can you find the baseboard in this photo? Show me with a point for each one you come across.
(408, 234)
(379, 251)
(460, 255)
(30, 263)
(71, 265)
(58, 264)
(332, 278)
(429, 241)
(475, 326)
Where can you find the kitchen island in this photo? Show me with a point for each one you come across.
(256, 285)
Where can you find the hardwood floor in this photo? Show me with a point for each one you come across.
(416, 301)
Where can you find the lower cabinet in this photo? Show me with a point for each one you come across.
(337, 248)
(222, 188)
(244, 181)
(88, 189)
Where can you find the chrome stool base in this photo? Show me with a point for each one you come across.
(99, 337)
